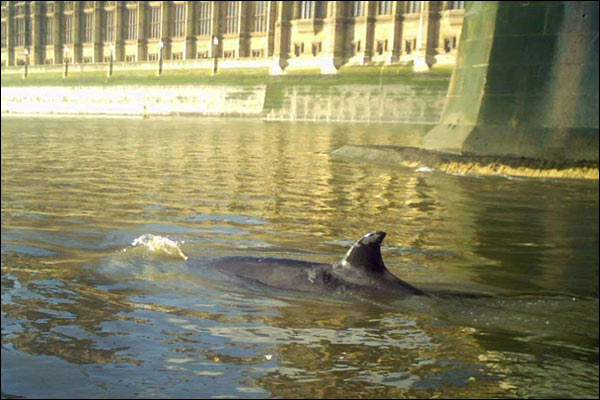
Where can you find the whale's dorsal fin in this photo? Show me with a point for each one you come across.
(366, 253)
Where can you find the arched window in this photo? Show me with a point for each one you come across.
(179, 27)
(155, 17)
(48, 30)
(131, 31)
(68, 29)
(88, 27)
(260, 16)
(312, 9)
(413, 7)
(204, 18)
(358, 8)
(384, 7)
(231, 17)
(109, 26)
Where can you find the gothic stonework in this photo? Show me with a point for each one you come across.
(282, 35)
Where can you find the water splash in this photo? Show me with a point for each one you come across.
(159, 245)
(423, 169)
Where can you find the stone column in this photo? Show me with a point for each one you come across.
(10, 31)
(424, 57)
(281, 37)
(77, 49)
(142, 31)
(165, 29)
(36, 50)
(334, 42)
(98, 39)
(119, 43)
(190, 32)
(215, 27)
(243, 29)
(368, 40)
(271, 19)
(57, 32)
(397, 32)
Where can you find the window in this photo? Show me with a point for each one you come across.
(413, 7)
(88, 28)
(306, 9)
(204, 18)
(229, 54)
(260, 16)
(130, 57)
(231, 13)
(3, 34)
(312, 9)
(385, 7)
(131, 31)
(87, 60)
(358, 8)
(109, 26)
(258, 53)
(20, 32)
(155, 15)
(203, 54)
(48, 31)
(179, 27)
(320, 9)
(48, 61)
(456, 5)
(178, 56)
(68, 29)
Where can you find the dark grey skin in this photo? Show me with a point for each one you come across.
(361, 272)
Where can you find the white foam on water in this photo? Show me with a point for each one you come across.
(423, 169)
(159, 245)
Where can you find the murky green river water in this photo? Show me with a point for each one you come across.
(98, 301)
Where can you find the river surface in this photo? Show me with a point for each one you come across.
(104, 222)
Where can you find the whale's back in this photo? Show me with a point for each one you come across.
(279, 273)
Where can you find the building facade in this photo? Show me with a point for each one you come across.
(280, 35)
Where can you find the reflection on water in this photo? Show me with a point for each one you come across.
(98, 217)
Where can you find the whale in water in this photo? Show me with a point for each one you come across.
(361, 271)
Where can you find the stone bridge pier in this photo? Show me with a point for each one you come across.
(525, 83)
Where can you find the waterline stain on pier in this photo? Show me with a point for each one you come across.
(415, 158)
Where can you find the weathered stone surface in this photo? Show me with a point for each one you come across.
(525, 83)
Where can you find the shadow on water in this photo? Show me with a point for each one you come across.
(88, 313)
